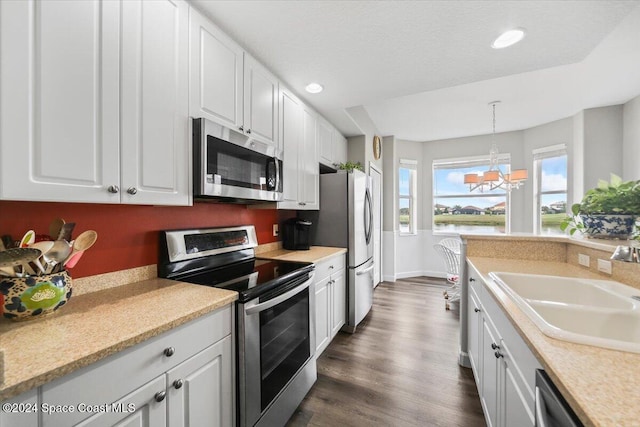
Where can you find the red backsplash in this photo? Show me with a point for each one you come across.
(128, 234)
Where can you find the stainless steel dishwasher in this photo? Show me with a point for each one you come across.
(552, 410)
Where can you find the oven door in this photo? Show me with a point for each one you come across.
(229, 164)
(276, 337)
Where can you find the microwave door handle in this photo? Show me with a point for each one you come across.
(280, 298)
(277, 164)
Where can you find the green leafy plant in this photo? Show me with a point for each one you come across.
(615, 197)
(349, 166)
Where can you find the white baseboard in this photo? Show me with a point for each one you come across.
(437, 274)
(389, 278)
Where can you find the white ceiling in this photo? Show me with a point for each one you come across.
(424, 70)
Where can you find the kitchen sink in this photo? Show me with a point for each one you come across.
(601, 313)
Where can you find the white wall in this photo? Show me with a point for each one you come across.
(603, 144)
(631, 140)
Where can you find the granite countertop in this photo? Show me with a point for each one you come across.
(601, 385)
(315, 254)
(95, 325)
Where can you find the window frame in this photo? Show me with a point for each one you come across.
(412, 166)
(540, 154)
(466, 162)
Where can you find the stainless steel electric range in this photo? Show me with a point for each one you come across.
(275, 326)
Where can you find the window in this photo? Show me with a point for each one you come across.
(456, 209)
(550, 188)
(407, 196)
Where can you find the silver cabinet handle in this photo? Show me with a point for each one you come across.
(169, 351)
(498, 355)
(331, 267)
(132, 190)
(277, 300)
(177, 384)
(113, 189)
(494, 346)
(302, 203)
(159, 397)
(477, 310)
(241, 128)
(248, 130)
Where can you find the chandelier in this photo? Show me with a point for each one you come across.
(494, 178)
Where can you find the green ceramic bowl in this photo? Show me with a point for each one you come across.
(35, 296)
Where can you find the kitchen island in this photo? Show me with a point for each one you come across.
(599, 384)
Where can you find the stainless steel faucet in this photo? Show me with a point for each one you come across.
(627, 254)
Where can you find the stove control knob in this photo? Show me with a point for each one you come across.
(169, 351)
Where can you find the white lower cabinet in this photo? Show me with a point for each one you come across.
(183, 377)
(200, 389)
(331, 295)
(21, 411)
(503, 365)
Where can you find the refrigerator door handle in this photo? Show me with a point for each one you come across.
(369, 229)
(366, 270)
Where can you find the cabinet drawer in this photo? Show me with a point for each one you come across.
(110, 379)
(329, 266)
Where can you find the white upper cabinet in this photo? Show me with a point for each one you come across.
(339, 148)
(228, 86)
(216, 74)
(155, 102)
(94, 101)
(325, 141)
(59, 105)
(332, 146)
(299, 142)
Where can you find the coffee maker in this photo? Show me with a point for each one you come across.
(295, 234)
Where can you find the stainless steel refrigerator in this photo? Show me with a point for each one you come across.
(345, 220)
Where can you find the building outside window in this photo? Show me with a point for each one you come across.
(457, 210)
(550, 188)
(407, 196)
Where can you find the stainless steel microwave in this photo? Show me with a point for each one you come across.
(229, 164)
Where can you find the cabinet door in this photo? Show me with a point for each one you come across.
(474, 316)
(155, 102)
(260, 102)
(325, 142)
(489, 374)
(516, 410)
(323, 318)
(201, 389)
(339, 148)
(22, 410)
(144, 407)
(59, 89)
(309, 174)
(216, 81)
(339, 300)
(290, 134)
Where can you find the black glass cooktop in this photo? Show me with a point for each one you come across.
(252, 278)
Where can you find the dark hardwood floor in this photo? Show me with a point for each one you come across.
(399, 369)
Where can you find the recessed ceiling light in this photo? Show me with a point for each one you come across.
(314, 88)
(508, 38)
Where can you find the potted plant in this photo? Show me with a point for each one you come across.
(349, 166)
(608, 211)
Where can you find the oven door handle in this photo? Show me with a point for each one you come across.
(280, 298)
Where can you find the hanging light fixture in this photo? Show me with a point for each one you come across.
(494, 178)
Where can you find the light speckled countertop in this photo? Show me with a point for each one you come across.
(96, 325)
(601, 385)
(315, 254)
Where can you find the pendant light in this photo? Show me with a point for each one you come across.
(494, 178)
